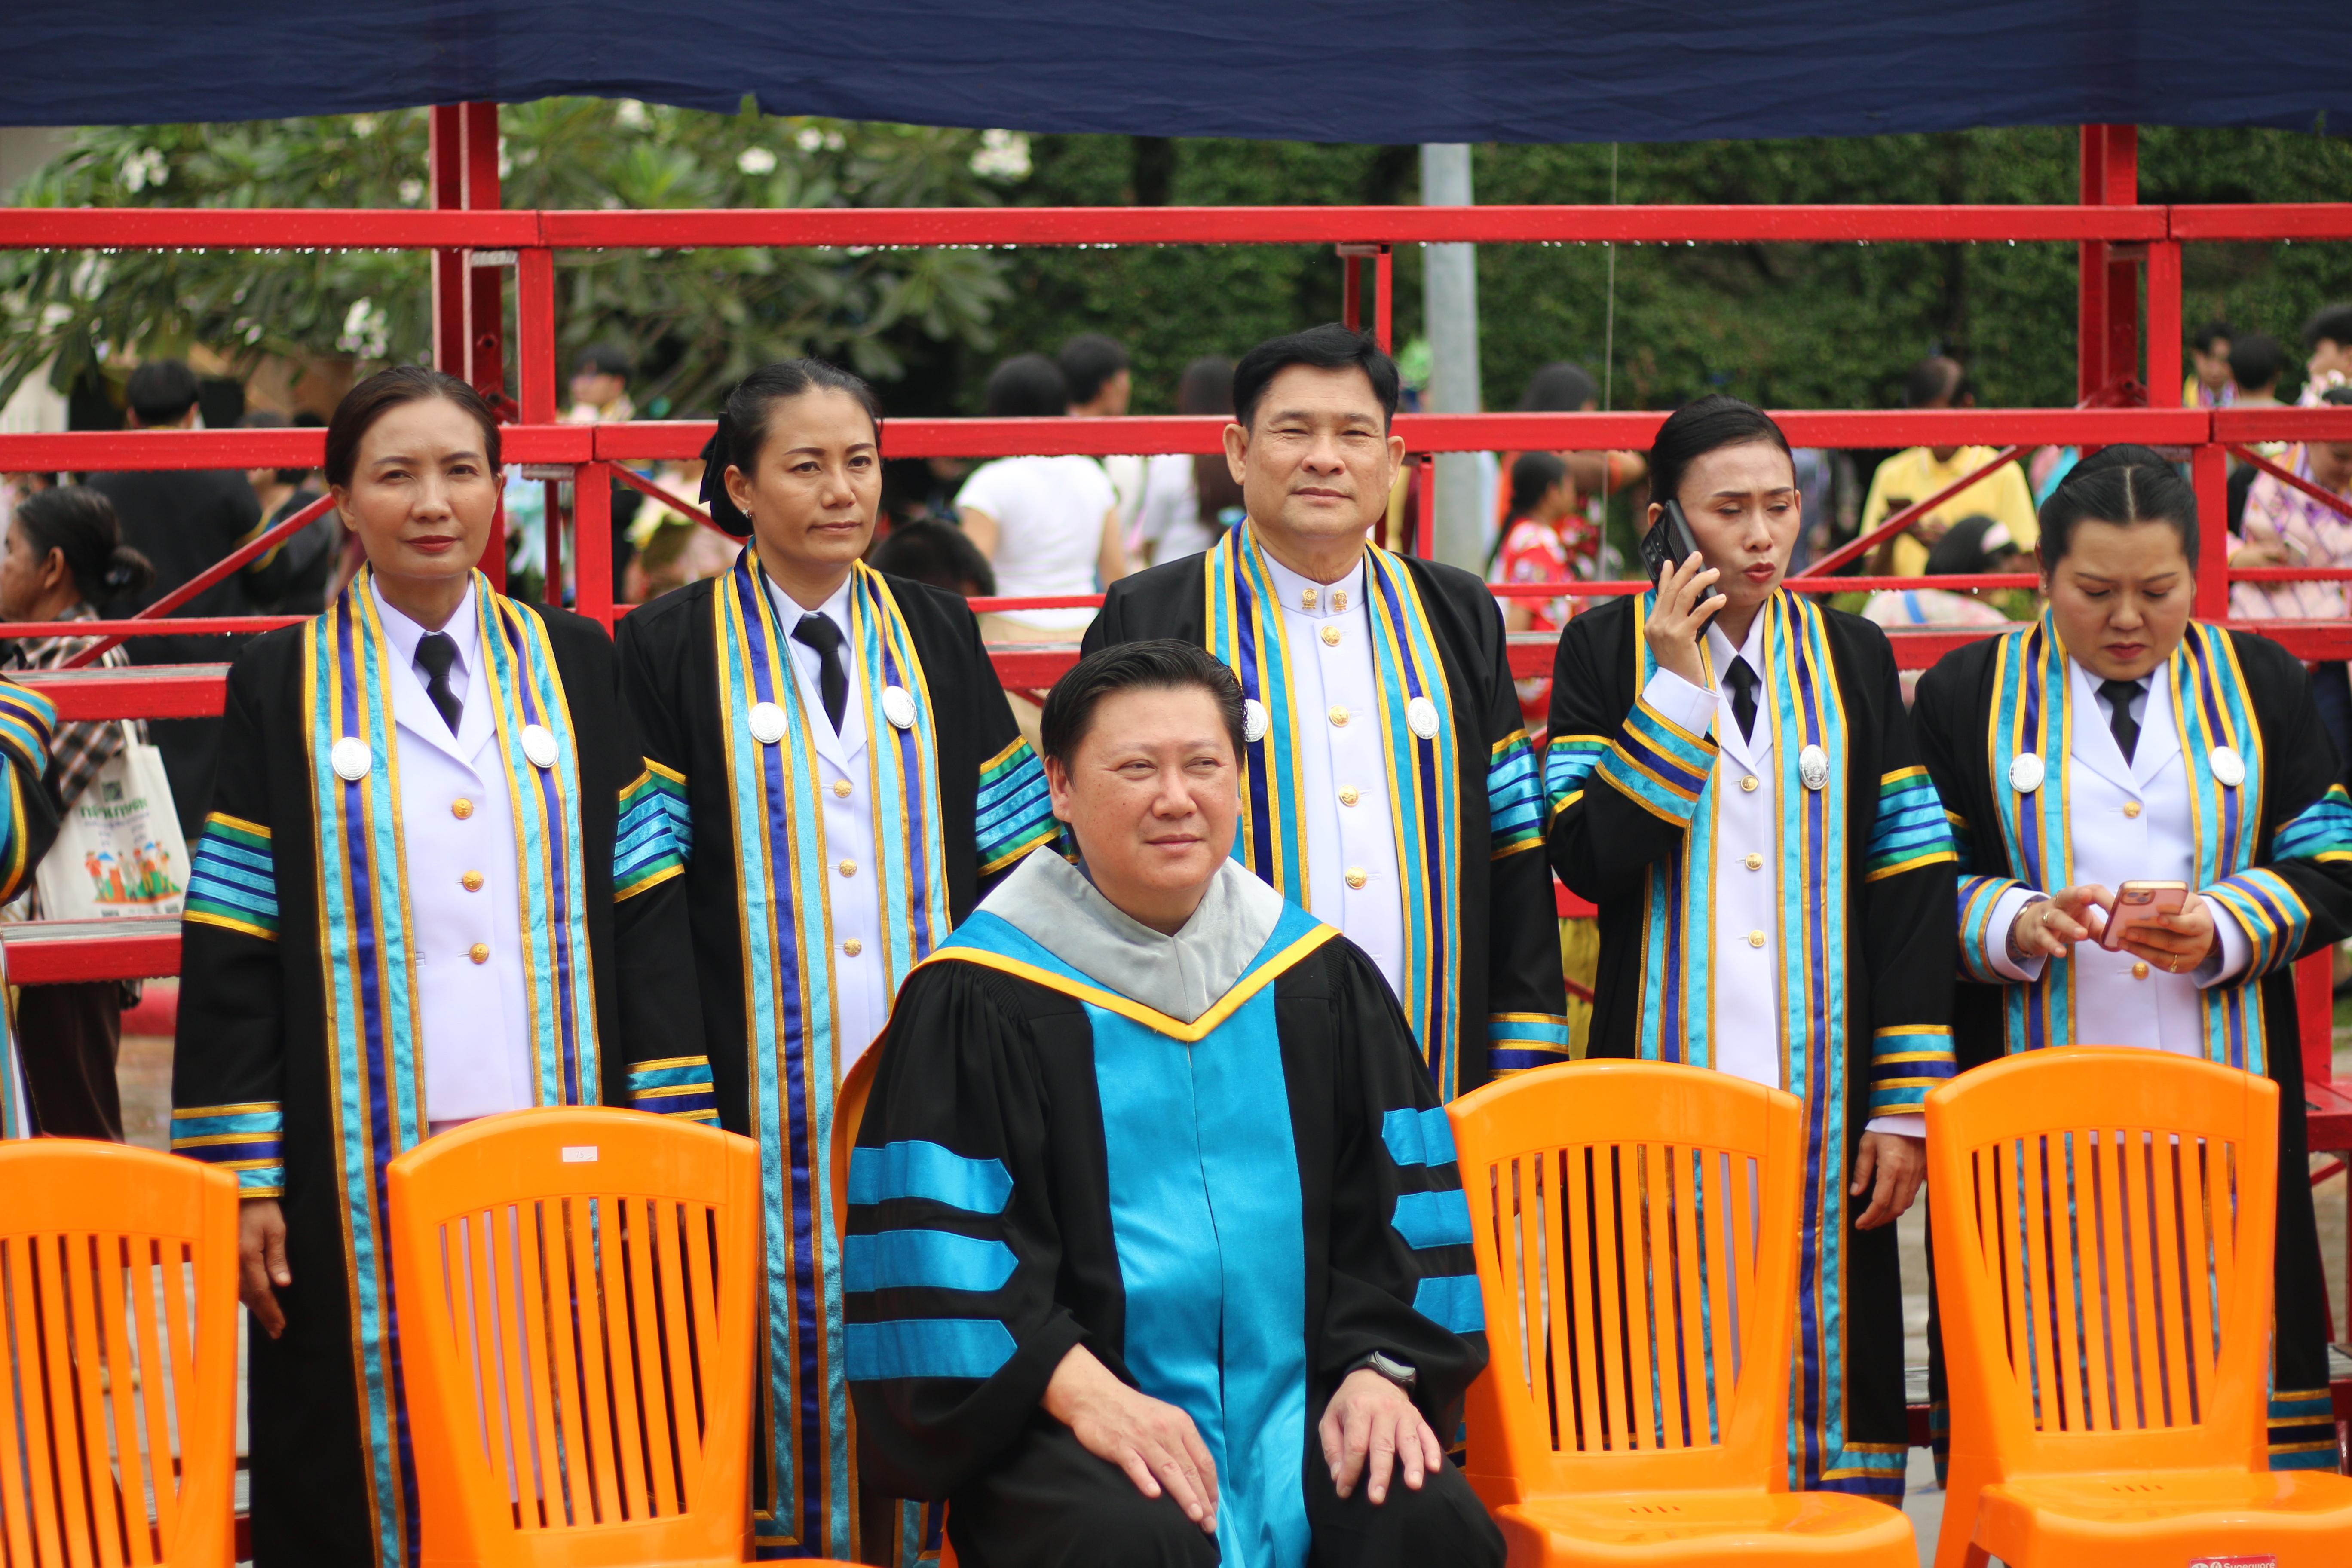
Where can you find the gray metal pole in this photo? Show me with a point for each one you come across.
(1452, 310)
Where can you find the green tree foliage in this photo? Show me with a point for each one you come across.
(1789, 325)
(696, 319)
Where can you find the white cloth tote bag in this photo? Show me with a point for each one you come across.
(119, 851)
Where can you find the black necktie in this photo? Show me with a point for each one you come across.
(1742, 681)
(437, 651)
(819, 633)
(2119, 695)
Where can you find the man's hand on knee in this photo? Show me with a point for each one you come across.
(1370, 1423)
(1155, 1443)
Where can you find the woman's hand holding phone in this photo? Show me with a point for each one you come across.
(2175, 942)
(1678, 620)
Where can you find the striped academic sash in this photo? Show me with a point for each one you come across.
(1243, 622)
(784, 887)
(367, 949)
(2034, 711)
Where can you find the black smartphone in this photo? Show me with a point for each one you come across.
(1668, 544)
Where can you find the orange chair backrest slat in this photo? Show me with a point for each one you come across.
(118, 1358)
(579, 1292)
(2102, 1250)
(848, 1114)
(1632, 1222)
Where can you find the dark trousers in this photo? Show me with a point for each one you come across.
(1051, 1504)
(2331, 692)
(67, 1037)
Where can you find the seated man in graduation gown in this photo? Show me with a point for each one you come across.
(1157, 1248)
(1387, 782)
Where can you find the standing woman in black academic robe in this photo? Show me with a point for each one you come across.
(845, 772)
(2117, 740)
(1732, 780)
(434, 885)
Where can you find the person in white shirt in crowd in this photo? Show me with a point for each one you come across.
(1047, 525)
(1190, 500)
(1101, 384)
(2117, 741)
(1731, 779)
(436, 884)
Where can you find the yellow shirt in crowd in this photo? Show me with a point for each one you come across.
(1914, 475)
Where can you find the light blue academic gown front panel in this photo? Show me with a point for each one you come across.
(1207, 1212)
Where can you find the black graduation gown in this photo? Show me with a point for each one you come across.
(986, 799)
(1002, 1140)
(1512, 1004)
(1629, 796)
(2303, 804)
(254, 1040)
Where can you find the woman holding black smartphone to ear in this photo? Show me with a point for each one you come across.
(1731, 779)
(2114, 748)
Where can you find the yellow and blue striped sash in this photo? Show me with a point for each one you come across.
(1243, 628)
(783, 884)
(367, 949)
(2032, 711)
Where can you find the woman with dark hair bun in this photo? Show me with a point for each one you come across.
(65, 557)
(2117, 740)
(431, 792)
(1732, 780)
(836, 750)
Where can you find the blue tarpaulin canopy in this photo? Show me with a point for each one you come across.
(1332, 71)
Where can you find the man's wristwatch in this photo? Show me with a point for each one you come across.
(1395, 1370)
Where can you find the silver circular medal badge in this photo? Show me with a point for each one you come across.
(1253, 721)
(897, 706)
(1420, 717)
(1813, 767)
(539, 745)
(351, 758)
(2228, 768)
(766, 721)
(2025, 773)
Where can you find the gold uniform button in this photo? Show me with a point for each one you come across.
(1747, 785)
(841, 788)
(461, 808)
(1338, 600)
(1350, 794)
(1756, 939)
(2140, 972)
(1307, 598)
(1356, 877)
(479, 952)
(1330, 637)
(1338, 716)
(1754, 862)
(471, 881)
(853, 947)
(848, 867)
(2131, 808)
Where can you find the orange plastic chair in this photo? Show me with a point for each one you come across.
(2102, 1227)
(579, 1290)
(118, 1346)
(1634, 1223)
